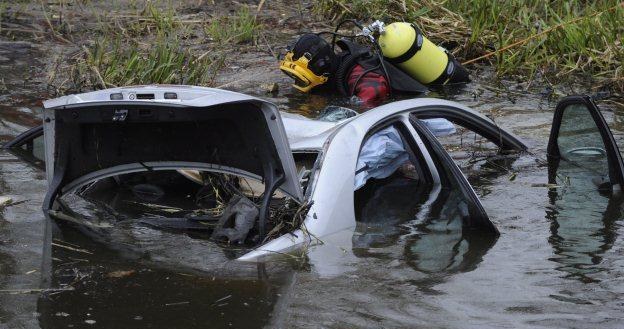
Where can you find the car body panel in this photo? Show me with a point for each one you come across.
(330, 191)
(191, 105)
(305, 133)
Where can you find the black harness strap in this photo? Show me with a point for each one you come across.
(416, 46)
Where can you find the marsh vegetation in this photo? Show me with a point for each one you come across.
(557, 40)
(140, 42)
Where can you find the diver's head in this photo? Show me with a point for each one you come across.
(310, 61)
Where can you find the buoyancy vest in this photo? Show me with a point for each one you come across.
(353, 54)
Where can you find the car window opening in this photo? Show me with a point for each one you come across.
(469, 210)
(580, 141)
(29, 146)
(390, 178)
(305, 164)
(461, 142)
(465, 144)
(474, 153)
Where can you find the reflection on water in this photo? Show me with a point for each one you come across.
(133, 275)
(583, 221)
(427, 222)
(147, 279)
(382, 207)
(483, 172)
(142, 277)
(440, 244)
(106, 286)
(116, 296)
(582, 210)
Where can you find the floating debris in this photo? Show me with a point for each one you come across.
(120, 274)
(222, 299)
(5, 201)
(270, 88)
(157, 206)
(68, 218)
(34, 291)
(84, 251)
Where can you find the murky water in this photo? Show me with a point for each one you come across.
(558, 262)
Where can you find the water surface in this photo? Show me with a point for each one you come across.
(558, 262)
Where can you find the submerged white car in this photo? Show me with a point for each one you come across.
(220, 147)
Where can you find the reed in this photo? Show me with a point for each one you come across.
(113, 62)
(563, 40)
(238, 28)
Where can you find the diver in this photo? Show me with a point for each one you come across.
(400, 60)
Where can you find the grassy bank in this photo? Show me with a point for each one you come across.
(153, 46)
(144, 48)
(102, 45)
(556, 40)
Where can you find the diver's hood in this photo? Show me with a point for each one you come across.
(114, 131)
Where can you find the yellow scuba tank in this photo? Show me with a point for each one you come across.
(403, 45)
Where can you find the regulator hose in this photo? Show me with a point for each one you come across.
(343, 71)
(383, 66)
(349, 60)
(353, 21)
(360, 77)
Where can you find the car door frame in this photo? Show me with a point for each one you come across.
(340, 158)
(614, 158)
(415, 145)
(473, 121)
(478, 216)
(14, 147)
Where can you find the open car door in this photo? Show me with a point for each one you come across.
(29, 147)
(473, 215)
(581, 137)
(586, 175)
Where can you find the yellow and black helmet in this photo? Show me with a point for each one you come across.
(310, 61)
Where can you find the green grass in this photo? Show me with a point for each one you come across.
(110, 63)
(239, 28)
(148, 45)
(3, 7)
(150, 48)
(590, 47)
(163, 19)
(147, 20)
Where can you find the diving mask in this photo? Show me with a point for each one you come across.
(299, 70)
